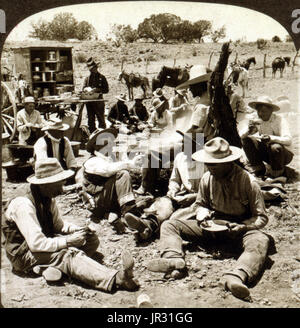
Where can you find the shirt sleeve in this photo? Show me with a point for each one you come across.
(22, 211)
(257, 205)
(203, 192)
(69, 154)
(199, 116)
(21, 123)
(105, 87)
(99, 166)
(40, 149)
(285, 137)
(61, 226)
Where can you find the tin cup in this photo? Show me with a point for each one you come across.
(144, 301)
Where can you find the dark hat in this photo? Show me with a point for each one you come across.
(91, 63)
(90, 147)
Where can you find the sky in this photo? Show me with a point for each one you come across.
(239, 22)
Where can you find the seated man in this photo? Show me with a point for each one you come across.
(226, 191)
(31, 224)
(138, 110)
(107, 181)
(54, 144)
(180, 109)
(29, 121)
(119, 111)
(267, 139)
(182, 191)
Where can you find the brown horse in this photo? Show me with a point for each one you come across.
(134, 81)
(170, 77)
(279, 63)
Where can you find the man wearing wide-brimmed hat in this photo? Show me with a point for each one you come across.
(54, 144)
(29, 122)
(198, 85)
(267, 139)
(98, 83)
(180, 109)
(182, 190)
(226, 192)
(106, 180)
(160, 116)
(138, 109)
(119, 111)
(38, 240)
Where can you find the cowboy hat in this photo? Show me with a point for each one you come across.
(217, 150)
(198, 73)
(49, 170)
(156, 104)
(29, 100)
(121, 97)
(55, 125)
(191, 136)
(158, 92)
(264, 100)
(91, 63)
(283, 103)
(90, 147)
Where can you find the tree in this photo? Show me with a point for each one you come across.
(123, 33)
(276, 38)
(218, 34)
(40, 30)
(261, 43)
(288, 38)
(85, 31)
(63, 26)
(183, 31)
(200, 29)
(161, 27)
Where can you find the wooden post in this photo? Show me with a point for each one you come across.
(264, 66)
(174, 63)
(210, 58)
(294, 61)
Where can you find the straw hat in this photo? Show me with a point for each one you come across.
(198, 73)
(264, 100)
(90, 147)
(283, 103)
(29, 100)
(55, 125)
(217, 150)
(48, 170)
(121, 97)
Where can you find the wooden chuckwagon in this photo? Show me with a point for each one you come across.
(48, 72)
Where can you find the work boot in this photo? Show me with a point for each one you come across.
(145, 227)
(237, 287)
(166, 264)
(124, 278)
(51, 274)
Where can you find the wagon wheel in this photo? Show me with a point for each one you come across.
(8, 113)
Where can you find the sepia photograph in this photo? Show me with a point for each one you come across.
(150, 159)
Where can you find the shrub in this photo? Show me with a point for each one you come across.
(261, 43)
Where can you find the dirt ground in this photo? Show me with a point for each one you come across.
(279, 285)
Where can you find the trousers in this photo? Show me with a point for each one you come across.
(274, 154)
(95, 109)
(74, 262)
(254, 244)
(116, 192)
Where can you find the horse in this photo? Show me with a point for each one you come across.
(170, 77)
(134, 81)
(279, 63)
(246, 64)
(239, 76)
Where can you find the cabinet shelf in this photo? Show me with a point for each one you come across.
(34, 82)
